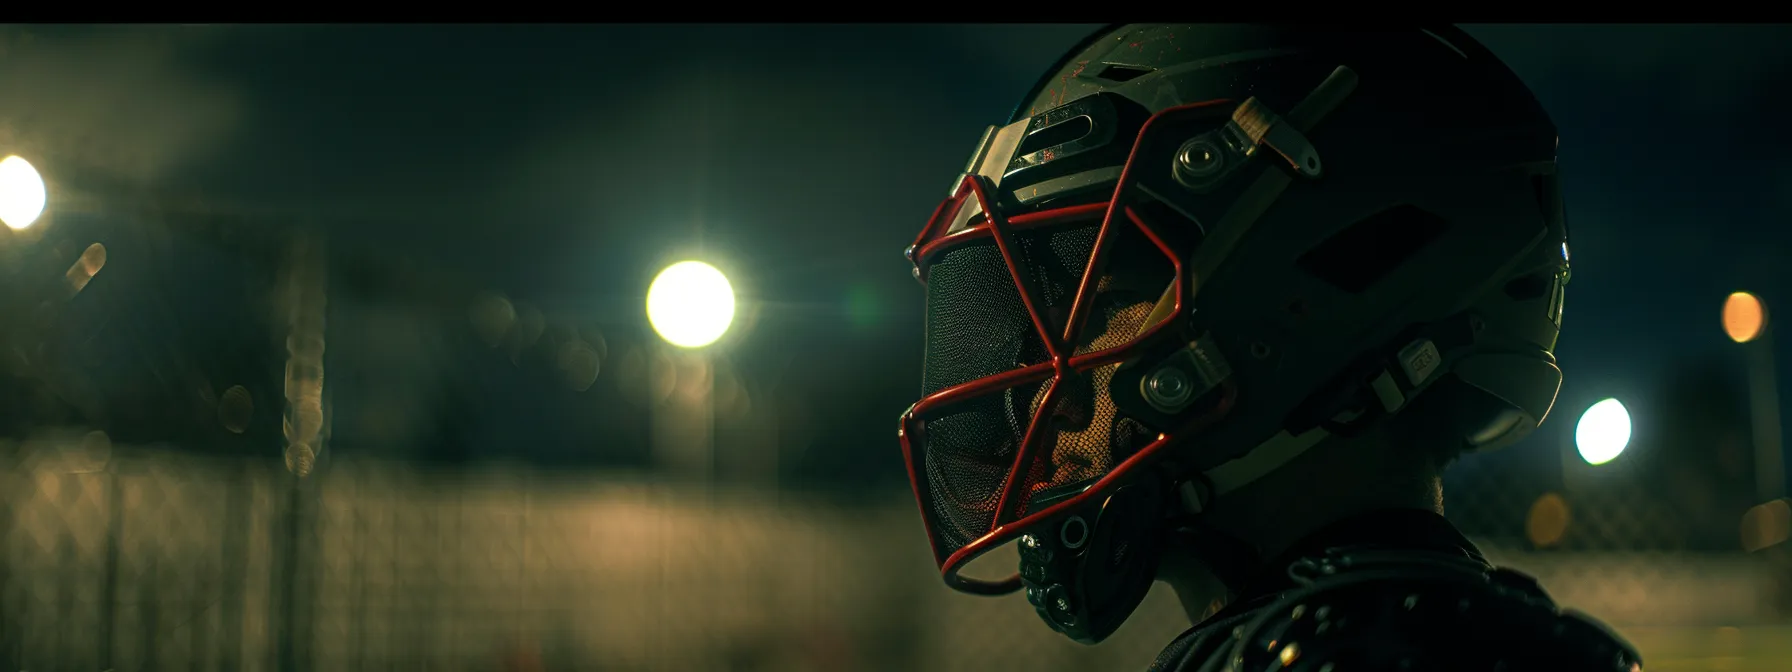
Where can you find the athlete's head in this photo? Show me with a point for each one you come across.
(1195, 253)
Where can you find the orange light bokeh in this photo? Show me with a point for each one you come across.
(1766, 525)
(1547, 523)
(1745, 317)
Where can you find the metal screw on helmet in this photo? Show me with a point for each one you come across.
(1198, 161)
(1060, 606)
(1168, 387)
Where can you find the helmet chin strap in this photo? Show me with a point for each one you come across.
(1228, 560)
(1268, 456)
(1282, 136)
(1198, 493)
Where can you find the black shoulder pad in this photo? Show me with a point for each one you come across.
(1411, 611)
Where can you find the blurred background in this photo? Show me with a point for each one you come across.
(329, 348)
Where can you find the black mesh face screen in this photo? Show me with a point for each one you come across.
(977, 326)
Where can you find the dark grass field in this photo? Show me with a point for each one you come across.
(1746, 649)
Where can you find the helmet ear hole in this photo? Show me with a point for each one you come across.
(1073, 532)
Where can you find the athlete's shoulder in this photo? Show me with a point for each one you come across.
(1415, 611)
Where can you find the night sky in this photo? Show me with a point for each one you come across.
(564, 165)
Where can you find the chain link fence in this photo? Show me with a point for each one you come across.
(127, 558)
(123, 558)
(1525, 502)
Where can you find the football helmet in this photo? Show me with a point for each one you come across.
(1195, 252)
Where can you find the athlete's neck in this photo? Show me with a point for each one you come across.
(1334, 481)
(1337, 479)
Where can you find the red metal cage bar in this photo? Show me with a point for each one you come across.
(1062, 363)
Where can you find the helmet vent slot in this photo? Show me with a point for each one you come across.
(1114, 72)
(1069, 130)
(1365, 252)
(1530, 287)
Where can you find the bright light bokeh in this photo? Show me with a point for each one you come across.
(22, 195)
(1603, 432)
(1745, 317)
(690, 304)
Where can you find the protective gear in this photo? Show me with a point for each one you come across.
(1419, 597)
(1195, 252)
